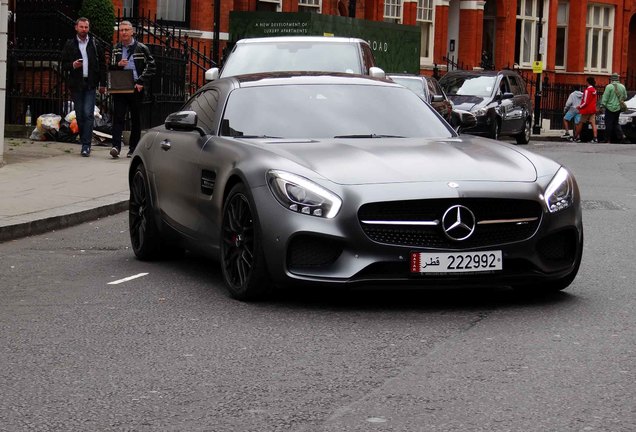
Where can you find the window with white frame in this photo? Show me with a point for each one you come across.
(392, 10)
(268, 5)
(563, 12)
(425, 21)
(309, 6)
(598, 38)
(173, 11)
(526, 31)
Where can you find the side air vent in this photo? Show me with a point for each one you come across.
(208, 180)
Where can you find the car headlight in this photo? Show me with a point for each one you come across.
(559, 194)
(480, 112)
(623, 120)
(301, 195)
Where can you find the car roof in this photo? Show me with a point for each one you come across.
(282, 78)
(313, 39)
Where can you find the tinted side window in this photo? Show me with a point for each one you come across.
(434, 87)
(367, 57)
(504, 87)
(521, 85)
(205, 105)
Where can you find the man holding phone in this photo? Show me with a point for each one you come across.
(83, 60)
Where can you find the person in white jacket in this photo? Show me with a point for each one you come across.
(571, 112)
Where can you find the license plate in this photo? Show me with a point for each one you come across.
(600, 126)
(456, 262)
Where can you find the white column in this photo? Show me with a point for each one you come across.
(4, 27)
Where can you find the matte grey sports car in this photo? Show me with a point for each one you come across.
(335, 178)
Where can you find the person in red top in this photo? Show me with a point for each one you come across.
(588, 110)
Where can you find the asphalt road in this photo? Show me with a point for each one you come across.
(170, 351)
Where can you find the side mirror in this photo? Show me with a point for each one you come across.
(376, 72)
(506, 95)
(437, 98)
(212, 74)
(185, 121)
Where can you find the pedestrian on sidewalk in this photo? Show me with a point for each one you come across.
(613, 95)
(83, 59)
(587, 108)
(130, 54)
(571, 112)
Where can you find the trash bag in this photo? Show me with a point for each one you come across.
(36, 135)
(65, 133)
(48, 122)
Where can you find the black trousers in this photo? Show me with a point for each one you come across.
(613, 131)
(124, 103)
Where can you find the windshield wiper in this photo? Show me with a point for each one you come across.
(368, 136)
(255, 136)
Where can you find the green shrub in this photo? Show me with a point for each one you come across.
(101, 15)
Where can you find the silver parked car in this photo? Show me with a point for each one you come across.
(286, 180)
(299, 53)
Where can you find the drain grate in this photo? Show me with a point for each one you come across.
(601, 205)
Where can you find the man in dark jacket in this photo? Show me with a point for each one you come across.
(83, 60)
(134, 55)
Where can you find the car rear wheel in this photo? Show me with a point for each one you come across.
(144, 234)
(242, 257)
(524, 136)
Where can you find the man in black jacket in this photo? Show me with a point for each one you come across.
(134, 55)
(84, 62)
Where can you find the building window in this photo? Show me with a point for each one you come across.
(268, 6)
(562, 34)
(526, 32)
(309, 6)
(173, 12)
(598, 38)
(129, 8)
(392, 10)
(425, 21)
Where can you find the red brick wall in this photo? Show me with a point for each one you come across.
(470, 34)
(441, 34)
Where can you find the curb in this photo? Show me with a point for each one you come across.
(41, 226)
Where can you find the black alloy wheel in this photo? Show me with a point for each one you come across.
(144, 235)
(524, 136)
(243, 261)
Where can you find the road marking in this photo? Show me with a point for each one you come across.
(127, 279)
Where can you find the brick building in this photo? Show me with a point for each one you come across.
(579, 37)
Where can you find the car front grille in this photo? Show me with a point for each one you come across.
(418, 223)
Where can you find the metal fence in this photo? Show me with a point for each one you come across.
(35, 78)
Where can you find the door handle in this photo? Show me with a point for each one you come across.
(165, 144)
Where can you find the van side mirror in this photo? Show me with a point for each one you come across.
(376, 72)
(212, 74)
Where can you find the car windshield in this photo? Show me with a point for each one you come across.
(415, 85)
(293, 56)
(469, 85)
(330, 110)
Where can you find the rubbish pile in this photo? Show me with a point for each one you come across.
(52, 127)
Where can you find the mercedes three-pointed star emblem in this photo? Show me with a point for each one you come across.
(458, 222)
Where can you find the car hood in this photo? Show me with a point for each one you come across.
(467, 103)
(392, 160)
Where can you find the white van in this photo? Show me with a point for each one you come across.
(299, 53)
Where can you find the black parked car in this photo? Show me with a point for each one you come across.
(427, 88)
(498, 99)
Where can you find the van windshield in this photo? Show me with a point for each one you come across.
(293, 56)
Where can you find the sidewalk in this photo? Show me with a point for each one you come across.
(47, 185)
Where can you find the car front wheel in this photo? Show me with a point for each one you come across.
(242, 257)
(524, 136)
(144, 234)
